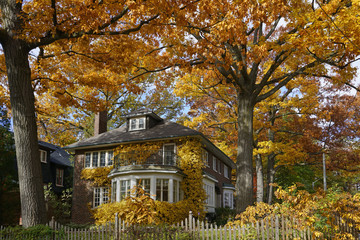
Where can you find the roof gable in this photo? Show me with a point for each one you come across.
(57, 154)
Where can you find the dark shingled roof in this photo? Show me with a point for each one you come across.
(164, 129)
(57, 154)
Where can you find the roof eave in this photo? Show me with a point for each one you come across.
(111, 144)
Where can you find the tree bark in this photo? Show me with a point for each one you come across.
(25, 132)
(270, 171)
(244, 162)
(259, 179)
(22, 102)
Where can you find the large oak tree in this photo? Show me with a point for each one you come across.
(29, 25)
(258, 47)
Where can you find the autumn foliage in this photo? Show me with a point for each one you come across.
(139, 207)
(323, 212)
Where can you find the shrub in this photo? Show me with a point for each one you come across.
(31, 233)
(320, 211)
(222, 215)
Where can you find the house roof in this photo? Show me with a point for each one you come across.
(57, 154)
(162, 130)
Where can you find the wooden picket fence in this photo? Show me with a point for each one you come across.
(275, 228)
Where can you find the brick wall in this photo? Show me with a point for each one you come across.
(100, 123)
(82, 193)
(219, 175)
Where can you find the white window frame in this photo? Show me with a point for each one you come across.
(136, 125)
(43, 156)
(102, 194)
(113, 191)
(146, 187)
(162, 186)
(226, 171)
(210, 194)
(125, 194)
(169, 144)
(176, 188)
(109, 154)
(214, 164)
(230, 195)
(174, 185)
(59, 175)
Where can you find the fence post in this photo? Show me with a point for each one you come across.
(190, 221)
(277, 232)
(116, 226)
(52, 225)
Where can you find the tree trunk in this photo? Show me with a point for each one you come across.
(25, 132)
(259, 179)
(244, 162)
(270, 171)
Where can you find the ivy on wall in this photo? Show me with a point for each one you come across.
(126, 154)
(189, 151)
(98, 176)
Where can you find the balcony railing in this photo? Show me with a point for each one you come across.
(166, 158)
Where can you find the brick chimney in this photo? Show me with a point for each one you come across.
(100, 123)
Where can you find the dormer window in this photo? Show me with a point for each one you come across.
(137, 124)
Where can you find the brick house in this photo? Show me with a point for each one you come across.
(159, 174)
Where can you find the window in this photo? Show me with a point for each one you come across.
(145, 184)
(219, 166)
(228, 199)
(87, 160)
(43, 156)
(101, 195)
(137, 124)
(210, 193)
(59, 177)
(95, 159)
(206, 158)
(175, 191)
(98, 159)
(124, 189)
(102, 159)
(113, 191)
(162, 190)
(169, 154)
(110, 155)
(214, 163)
(226, 171)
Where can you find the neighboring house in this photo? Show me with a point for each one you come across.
(159, 174)
(56, 167)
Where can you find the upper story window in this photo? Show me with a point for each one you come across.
(226, 171)
(206, 158)
(214, 163)
(169, 154)
(98, 159)
(219, 166)
(137, 123)
(43, 156)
